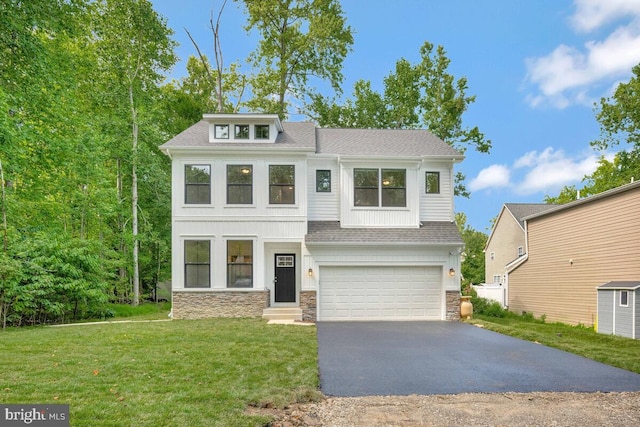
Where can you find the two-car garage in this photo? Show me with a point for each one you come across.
(380, 293)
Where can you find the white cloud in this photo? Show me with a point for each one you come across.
(592, 14)
(494, 176)
(564, 76)
(538, 172)
(550, 170)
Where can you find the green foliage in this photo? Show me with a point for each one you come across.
(53, 279)
(473, 269)
(489, 308)
(175, 373)
(619, 125)
(299, 39)
(421, 95)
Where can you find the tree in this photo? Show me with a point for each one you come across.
(300, 39)
(422, 95)
(619, 116)
(135, 47)
(473, 269)
(619, 119)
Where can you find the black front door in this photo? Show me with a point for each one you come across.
(285, 280)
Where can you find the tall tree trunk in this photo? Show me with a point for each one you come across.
(134, 198)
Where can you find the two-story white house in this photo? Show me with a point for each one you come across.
(328, 224)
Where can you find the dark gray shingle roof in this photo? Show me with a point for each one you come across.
(295, 135)
(383, 142)
(430, 233)
(522, 210)
(630, 285)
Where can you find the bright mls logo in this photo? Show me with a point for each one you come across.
(34, 415)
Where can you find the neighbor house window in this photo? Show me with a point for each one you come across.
(432, 182)
(197, 180)
(380, 187)
(239, 184)
(241, 132)
(323, 181)
(282, 184)
(624, 298)
(496, 278)
(197, 268)
(262, 131)
(520, 251)
(239, 263)
(222, 131)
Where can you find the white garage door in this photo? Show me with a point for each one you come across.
(380, 293)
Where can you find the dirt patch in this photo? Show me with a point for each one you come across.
(502, 409)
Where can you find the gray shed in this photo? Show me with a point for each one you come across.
(619, 309)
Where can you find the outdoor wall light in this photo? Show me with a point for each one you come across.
(310, 272)
(452, 272)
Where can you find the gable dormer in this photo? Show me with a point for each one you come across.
(243, 128)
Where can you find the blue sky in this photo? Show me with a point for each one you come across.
(536, 68)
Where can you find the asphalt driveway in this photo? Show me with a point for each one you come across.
(403, 358)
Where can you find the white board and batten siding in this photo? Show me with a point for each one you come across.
(384, 217)
(436, 207)
(323, 206)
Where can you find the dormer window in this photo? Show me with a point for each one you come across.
(222, 131)
(262, 131)
(241, 132)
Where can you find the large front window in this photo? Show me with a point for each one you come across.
(239, 184)
(197, 184)
(197, 256)
(282, 188)
(240, 263)
(380, 187)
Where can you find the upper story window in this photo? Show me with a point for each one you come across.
(262, 131)
(197, 260)
(432, 182)
(197, 180)
(520, 251)
(496, 278)
(323, 181)
(221, 131)
(241, 132)
(239, 184)
(374, 185)
(282, 188)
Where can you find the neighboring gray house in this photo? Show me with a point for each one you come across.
(276, 219)
(619, 309)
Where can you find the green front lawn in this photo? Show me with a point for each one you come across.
(178, 373)
(613, 350)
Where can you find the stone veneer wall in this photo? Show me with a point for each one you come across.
(203, 305)
(453, 305)
(308, 306)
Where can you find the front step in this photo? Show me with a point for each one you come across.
(282, 313)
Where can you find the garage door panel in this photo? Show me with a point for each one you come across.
(379, 293)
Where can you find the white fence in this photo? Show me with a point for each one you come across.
(491, 291)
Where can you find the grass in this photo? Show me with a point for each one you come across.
(609, 349)
(179, 373)
(145, 311)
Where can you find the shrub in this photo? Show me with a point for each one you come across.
(488, 307)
